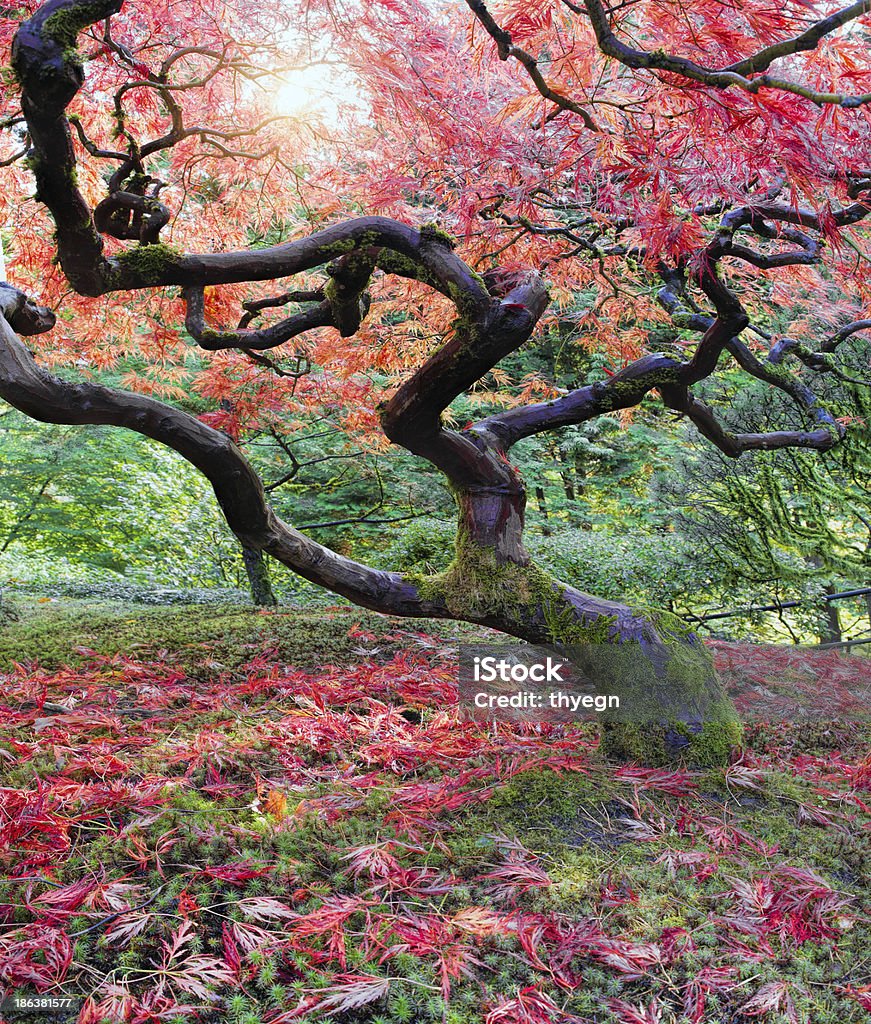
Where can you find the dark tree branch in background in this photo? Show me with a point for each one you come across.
(805, 41)
(296, 466)
(361, 521)
(506, 49)
(820, 362)
(628, 387)
(254, 307)
(15, 157)
(255, 340)
(303, 365)
(673, 378)
(830, 344)
(733, 445)
(735, 75)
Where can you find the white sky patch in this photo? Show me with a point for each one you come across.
(328, 92)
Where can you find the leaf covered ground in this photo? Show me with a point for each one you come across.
(225, 831)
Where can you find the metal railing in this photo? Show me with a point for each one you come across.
(781, 605)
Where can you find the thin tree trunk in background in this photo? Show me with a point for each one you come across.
(866, 579)
(262, 593)
(19, 524)
(568, 486)
(542, 508)
(831, 621)
(580, 473)
(564, 471)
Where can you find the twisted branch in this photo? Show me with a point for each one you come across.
(735, 75)
(239, 491)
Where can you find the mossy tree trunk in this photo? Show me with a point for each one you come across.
(259, 583)
(674, 707)
(831, 620)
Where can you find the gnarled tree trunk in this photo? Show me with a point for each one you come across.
(674, 707)
(683, 711)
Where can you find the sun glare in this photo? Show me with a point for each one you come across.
(319, 91)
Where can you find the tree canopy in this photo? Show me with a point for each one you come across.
(629, 151)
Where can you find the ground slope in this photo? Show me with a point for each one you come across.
(213, 826)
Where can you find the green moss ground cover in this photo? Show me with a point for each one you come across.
(218, 826)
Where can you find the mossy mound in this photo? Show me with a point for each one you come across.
(199, 638)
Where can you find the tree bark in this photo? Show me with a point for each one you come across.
(673, 705)
(259, 583)
(831, 620)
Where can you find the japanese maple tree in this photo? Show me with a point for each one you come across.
(705, 168)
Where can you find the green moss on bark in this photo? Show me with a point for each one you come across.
(667, 741)
(673, 706)
(434, 232)
(63, 26)
(477, 585)
(679, 714)
(673, 711)
(147, 262)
